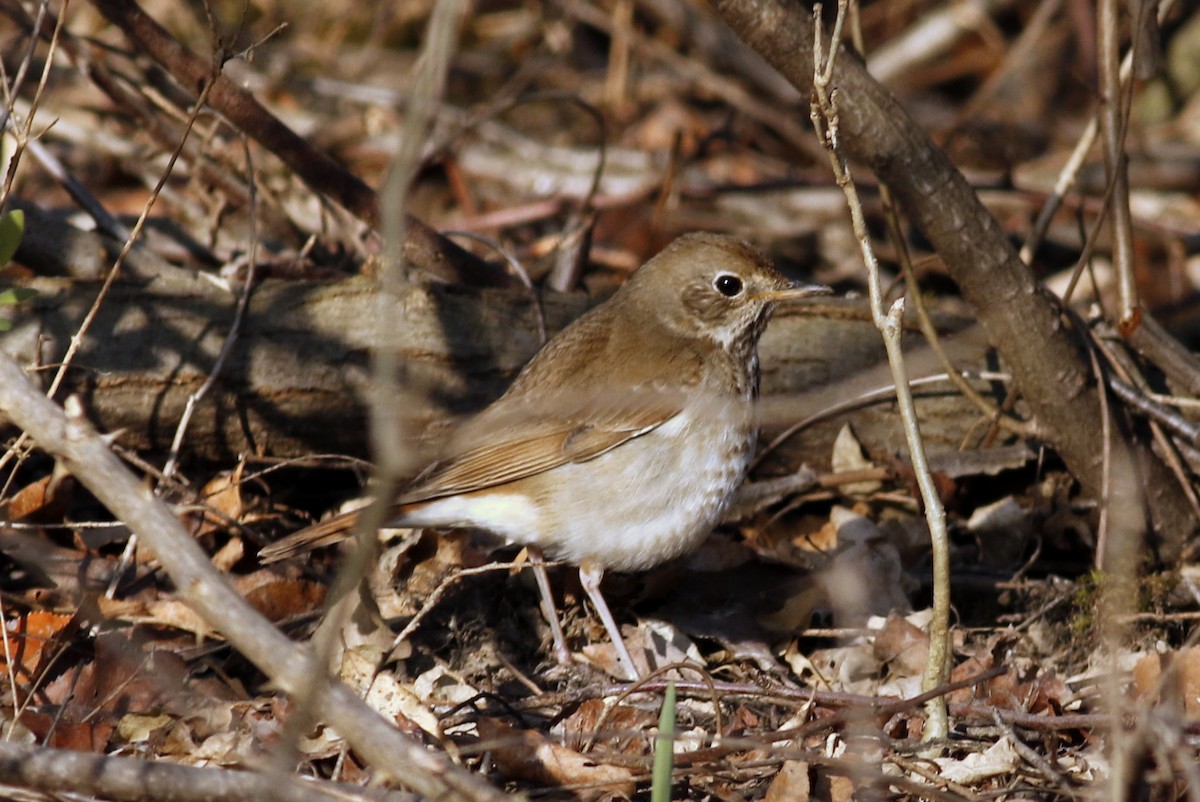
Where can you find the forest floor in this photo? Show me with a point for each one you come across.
(796, 636)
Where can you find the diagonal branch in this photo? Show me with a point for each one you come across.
(1022, 321)
(423, 246)
(85, 454)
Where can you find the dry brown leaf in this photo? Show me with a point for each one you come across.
(278, 597)
(1184, 690)
(27, 637)
(53, 731)
(407, 577)
(791, 784)
(45, 500)
(530, 756)
(903, 646)
(211, 717)
(998, 759)
(223, 502)
(137, 728)
(841, 789)
(396, 701)
(652, 644)
(1034, 691)
(617, 727)
(823, 539)
(229, 555)
(440, 686)
(170, 612)
(847, 457)
(92, 697)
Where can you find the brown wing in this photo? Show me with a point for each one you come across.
(525, 443)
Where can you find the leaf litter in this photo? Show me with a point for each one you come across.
(795, 636)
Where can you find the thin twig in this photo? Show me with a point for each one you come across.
(825, 121)
(78, 337)
(1113, 118)
(387, 436)
(77, 774)
(71, 439)
(1070, 170)
(885, 393)
(24, 133)
(235, 327)
(517, 268)
(987, 409)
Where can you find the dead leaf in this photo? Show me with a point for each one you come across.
(652, 644)
(841, 788)
(903, 646)
(170, 612)
(998, 759)
(1185, 688)
(43, 501)
(395, 700)
(229, 555)
(53, 731)
(278, 597)
(27, 638)
(848, 456)
(623, 728)
(530, 756)
(791, 784)
(1031, 691)
(136, 728)
(441, 687)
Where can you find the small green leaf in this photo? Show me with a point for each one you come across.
(5, 325)
(664, 749)
(16, 295)
(12, 228)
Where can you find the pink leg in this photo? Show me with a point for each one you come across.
(590, 576)
(561, 653)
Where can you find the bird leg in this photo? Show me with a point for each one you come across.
(561, 652)
(590, 576)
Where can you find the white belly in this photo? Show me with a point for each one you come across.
(647, 501)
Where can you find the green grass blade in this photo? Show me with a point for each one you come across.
(664, 749)
(12, 228)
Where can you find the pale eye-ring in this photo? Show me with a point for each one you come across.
(728, 285)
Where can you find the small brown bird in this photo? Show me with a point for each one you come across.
(621, 443)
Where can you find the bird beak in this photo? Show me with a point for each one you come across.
(794, 293)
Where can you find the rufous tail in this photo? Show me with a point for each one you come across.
(326, 533)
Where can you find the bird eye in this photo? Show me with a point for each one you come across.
(728, 285)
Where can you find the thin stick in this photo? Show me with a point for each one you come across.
(986, 408)
(235, 327)
(1112, 128)
(207, 591)
(1070, 170)
(387, 437)
(825, 121)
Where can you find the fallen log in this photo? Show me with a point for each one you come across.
(295, 381)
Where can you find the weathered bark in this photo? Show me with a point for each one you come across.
(1023, 322)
